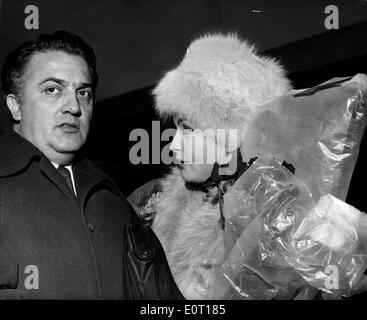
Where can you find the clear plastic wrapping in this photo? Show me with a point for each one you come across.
(285, 244)
(291, 234)
(329, 247)
(317, 131)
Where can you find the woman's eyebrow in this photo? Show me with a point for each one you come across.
(177, 121)
(182, 120)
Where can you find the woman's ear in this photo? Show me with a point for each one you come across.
(14, 106)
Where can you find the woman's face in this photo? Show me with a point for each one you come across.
(195, 151)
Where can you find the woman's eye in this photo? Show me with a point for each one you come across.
(186, 127)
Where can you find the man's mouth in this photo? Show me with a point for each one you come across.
(69, 127)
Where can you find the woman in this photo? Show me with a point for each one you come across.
(212, 213)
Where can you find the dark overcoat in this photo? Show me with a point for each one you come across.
(53, 244)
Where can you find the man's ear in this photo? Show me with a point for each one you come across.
(14, 106)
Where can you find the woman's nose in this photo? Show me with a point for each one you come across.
(176, 145)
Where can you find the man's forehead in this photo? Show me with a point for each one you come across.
(58, 64)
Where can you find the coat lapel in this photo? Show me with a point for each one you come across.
(50, 172)
(16, 153)
(87, 177)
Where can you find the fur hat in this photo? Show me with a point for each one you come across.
(219, 81)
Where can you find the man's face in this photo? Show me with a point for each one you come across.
(56, 104)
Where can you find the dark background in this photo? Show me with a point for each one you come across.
(137, 41)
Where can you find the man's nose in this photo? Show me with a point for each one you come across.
(72, 105)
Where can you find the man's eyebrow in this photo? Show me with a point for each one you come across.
(85, 85)
(57, 80)
(63, 82)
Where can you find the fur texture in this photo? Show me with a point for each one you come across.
(219, 81)
(187, 226)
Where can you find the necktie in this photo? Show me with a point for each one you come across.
(66, 175)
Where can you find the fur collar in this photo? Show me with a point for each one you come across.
(187, 226)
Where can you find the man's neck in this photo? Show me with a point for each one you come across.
(61, 159)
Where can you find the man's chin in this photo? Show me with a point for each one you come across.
(69, 146)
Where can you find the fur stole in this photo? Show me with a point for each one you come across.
(187, 226)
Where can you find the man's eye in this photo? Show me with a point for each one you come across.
(52, 90)
(85, 93)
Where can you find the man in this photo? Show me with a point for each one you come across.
(63, 222)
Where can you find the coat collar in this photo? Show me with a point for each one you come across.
(87, 176)
(16, 154)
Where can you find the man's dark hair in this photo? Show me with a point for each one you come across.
(17, 60)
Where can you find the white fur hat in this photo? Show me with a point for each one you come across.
(219, 81)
